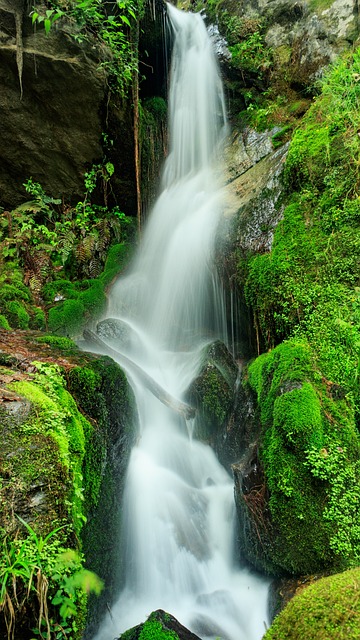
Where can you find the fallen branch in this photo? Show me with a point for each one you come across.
(180, 407)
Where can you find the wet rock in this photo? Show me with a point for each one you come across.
(251, 498)
(212, 393)
(242, 428)
(246, 148)
(114, 330)
(157, 623)
(252, 201)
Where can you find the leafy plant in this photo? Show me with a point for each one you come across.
(38, 569)
(91, 18)
(251, 54)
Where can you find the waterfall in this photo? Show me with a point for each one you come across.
(177, 532)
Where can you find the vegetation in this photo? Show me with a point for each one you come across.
(110, 23)
(39, 570)
(42, 580)
(310, 453)
(326, 610)
(154, 628)
(52, 487)
(304, 295)
(66, 255)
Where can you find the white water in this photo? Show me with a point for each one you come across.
(178, 512)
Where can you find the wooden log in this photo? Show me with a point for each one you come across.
(161, 394)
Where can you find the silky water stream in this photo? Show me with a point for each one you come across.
(178, 513)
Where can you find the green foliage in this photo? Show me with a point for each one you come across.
(47, 242)
(342, 475)
(50, 17)
(157, 107)
(308, 285)
(92, 18)
(17, 314)
(251, 54)
(64, 455)
(67, 318)
(326, 610)
(4, 323)
(314, 497)
(37, 573)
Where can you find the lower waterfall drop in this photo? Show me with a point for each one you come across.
(178, 515)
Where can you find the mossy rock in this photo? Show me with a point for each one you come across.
(212, 392)
(303, 514)
(4, 323)
(62, 466)
(17, 315)
(326, 610)
(82, 302)
(105, 397)
(160, 626)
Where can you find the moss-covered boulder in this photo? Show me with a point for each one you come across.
(299, 512)
(212, 392)
(159, 625)
(66, 427)
(326, 610)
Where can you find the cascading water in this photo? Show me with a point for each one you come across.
(178, 511)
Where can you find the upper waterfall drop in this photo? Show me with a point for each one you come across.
(197, 120)
(173, 287)
(177, 533)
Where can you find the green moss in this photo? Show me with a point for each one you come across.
(306, 530)
(212, 392)
(37, 319)
(93, 299)
(157, 107)
(103, 394)
(67, 318)
(326, 610)
(55, 415)
(116, 261)
(65, 344)
(153, 630)
(12, 292)
(4, 323)
(56, 288)
(17, 315)
(320, 5)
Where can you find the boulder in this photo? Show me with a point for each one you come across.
(159, 625)
(212, 393)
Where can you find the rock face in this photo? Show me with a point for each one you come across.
(54, 107)
(53, 131)
(253, 188)
(309, 33)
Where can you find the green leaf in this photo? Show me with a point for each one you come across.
(47, 25)
(126, 20)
